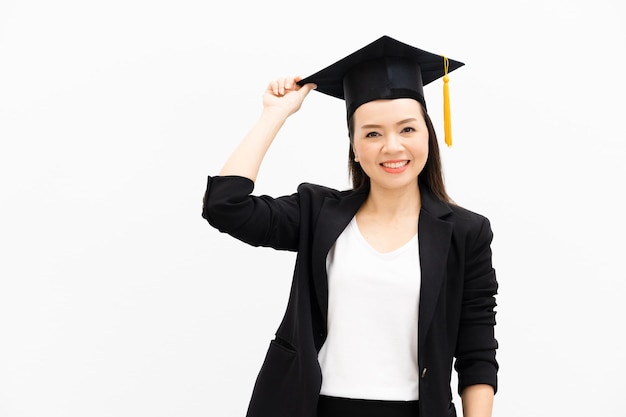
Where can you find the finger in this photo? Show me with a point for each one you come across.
(281, 86)
(296, 86)
(308, 87)
(273, 87)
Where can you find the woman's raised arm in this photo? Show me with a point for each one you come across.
(281, 99)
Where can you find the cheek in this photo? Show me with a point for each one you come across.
(360, 148)
(424, 144)
(420, 153)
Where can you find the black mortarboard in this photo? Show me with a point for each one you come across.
(384, 69)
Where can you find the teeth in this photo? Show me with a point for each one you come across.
(395, 164)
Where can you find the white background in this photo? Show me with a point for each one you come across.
(118, 299)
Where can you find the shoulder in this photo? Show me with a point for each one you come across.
(321, 191)
(464, 220)
(465, 215)
(475, 226)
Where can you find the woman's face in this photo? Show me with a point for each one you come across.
(391, 141)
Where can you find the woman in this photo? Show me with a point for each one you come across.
(392, 281)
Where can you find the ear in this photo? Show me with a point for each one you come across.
(356, 157)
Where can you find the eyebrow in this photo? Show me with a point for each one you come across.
(401, 122)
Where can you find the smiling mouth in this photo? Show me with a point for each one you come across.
(395, 164)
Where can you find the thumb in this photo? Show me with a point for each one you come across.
(306, 88)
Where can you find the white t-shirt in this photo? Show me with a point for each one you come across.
(373, 299)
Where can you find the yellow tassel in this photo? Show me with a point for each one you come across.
(447, 123)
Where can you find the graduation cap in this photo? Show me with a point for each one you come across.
(385, 69)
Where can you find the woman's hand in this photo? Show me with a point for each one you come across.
(285, 95)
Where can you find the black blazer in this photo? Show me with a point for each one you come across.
(456, 308)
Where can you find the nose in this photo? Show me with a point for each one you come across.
(393, 143)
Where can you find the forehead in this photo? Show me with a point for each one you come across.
(388, 111)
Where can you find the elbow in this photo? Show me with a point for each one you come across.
(225, 199)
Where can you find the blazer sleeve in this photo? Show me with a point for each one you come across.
(476, 344)
(257, 220)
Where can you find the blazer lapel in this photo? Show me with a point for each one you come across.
(434, 243)
(334, 216)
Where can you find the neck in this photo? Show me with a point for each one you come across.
(393, 203)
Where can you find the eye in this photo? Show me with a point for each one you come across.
(408, 130)
(372, 135)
